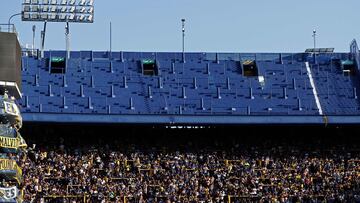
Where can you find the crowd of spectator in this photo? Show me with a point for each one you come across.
(194, 170)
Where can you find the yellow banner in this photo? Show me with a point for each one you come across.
(7, 142)
(11, 165)
(8, 164)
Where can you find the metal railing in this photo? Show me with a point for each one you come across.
(31, 52)
(77, 198)
(10, 28)
(130, 198)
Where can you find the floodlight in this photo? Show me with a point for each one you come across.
(44, 16)
(35, 8)
(45, 8)
(71, 17)
(26, 15)
(45, 1)
(53, 2)
(62, 16)
(91, 9)
(91, 3)
(53, 8)
(72, 2)
(63, 2)
(26, 8)
(81, 17)
(72, 9)
(82, 2)
(34, 15)
(63, 9)
(82, 10)
(53, 16)
(90, 18)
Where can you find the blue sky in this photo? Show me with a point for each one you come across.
(212, 25)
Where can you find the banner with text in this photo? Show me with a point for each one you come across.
(10, 169)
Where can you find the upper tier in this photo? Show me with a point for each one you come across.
(201, 88)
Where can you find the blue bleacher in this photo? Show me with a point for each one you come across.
(210, 84)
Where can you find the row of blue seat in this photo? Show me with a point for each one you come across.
(104, 83)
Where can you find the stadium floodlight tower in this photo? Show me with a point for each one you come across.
(67, 11)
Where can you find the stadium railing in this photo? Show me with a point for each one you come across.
(8, 28)
(81, 198)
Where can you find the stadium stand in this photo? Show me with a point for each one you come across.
(82, 163)
(136, 127)
(68, 105)
(217, 88)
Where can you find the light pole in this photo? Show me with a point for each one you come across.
(183, 39)
(314, 36)
(110, 40)
(33, 40)
(67, 39)
(9, 21)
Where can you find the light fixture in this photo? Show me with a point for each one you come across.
(82, 10)
(63, 9)
(45, 8)
(53, 2)
(82, 2)
(44, 16)
(53, 16)
(90, 18)
(72, 2)
(34, 16)
(72, 9)
(71, 17)
(62, 16)
(91, 9)
(26, 15)
(53, 8)
(26, 8)
(82, 17)
(35, 8)
(63, 2)
(91, 3)
(45, 1)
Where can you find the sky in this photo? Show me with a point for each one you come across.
(211, 25)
